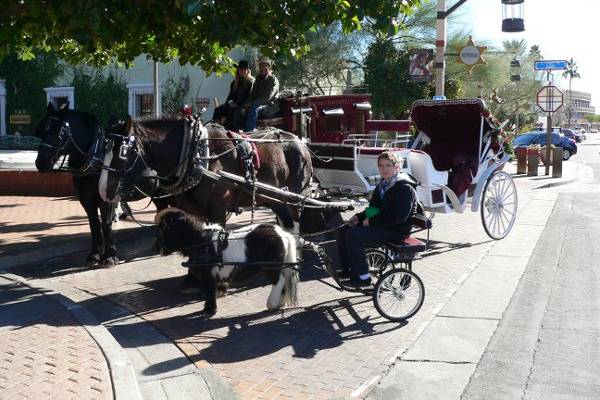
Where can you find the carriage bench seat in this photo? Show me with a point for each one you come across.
(276, 122)
(409, 245)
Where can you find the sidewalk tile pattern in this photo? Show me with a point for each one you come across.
(54, 358)
(327, 347)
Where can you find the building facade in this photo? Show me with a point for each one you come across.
(577, 105)
(203, 90)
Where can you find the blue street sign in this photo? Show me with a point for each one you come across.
(544, 65)
(438, 98)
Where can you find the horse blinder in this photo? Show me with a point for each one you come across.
(126, 146)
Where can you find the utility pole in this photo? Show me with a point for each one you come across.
(155, 88)
(440, 47)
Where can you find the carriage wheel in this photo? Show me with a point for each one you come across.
(499, 205)
(398, 294)
(378, 261)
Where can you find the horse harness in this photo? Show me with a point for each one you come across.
(209, 253)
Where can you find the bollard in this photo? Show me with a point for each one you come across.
(533, 160)
(557, 159)
(521, 153)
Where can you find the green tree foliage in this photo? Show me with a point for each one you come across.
(572, 73)
(174, 93)
(99, 94)
(200, 32)
(25, 83)
(323, 67)
(387, 79)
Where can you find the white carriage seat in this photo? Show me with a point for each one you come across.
(421, 167)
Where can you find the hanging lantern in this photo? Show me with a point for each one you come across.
(515, 70)
(513, 12)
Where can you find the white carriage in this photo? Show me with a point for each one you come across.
(457, 155)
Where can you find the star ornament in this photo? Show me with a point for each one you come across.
(470, 55)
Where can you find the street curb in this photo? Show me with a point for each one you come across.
(123, 379)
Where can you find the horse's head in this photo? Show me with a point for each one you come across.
(177, 231)
(55, 132)
(123, 162)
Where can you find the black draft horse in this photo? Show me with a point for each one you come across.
(156, 143)
(80, 136)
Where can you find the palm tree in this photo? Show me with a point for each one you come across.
(571, 72)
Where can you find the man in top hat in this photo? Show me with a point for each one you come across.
(239, 92)
(263, 100)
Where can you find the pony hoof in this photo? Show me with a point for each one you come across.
(109, 261)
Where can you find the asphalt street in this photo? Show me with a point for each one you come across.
(548, 342)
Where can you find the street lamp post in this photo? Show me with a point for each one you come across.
(512, 14)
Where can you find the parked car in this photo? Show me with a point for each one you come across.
(572, 134)
(537, 137)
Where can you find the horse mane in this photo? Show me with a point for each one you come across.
(87, 118)
(196, 222)
(149, 128)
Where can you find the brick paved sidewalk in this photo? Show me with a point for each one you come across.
(45, 352)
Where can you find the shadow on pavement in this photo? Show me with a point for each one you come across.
(438, 247)
(131, 243)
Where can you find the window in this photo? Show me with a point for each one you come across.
(60, 101)
(145, 104)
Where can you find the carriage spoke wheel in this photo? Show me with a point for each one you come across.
(398, 294)
(377, 261)
(499, 205)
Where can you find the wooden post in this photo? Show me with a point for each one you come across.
(548, 143)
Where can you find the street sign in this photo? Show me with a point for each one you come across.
(470, 55)
(19, 119)
(549, 99)
(202, 102)
(544, 65)
(439, 98)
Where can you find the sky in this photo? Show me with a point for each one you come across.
(562, 29)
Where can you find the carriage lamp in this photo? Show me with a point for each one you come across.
(513, 12)
(515, 70)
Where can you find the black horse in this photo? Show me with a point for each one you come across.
(80, 136)
(157, 143)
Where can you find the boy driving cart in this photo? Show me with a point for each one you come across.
(388, 218)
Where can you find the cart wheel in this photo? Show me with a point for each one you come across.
(398, 294)
(499, 205)
(377, 260)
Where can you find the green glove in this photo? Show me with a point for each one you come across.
(371, 212)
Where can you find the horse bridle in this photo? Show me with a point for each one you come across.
(129, 144)
(64, 136)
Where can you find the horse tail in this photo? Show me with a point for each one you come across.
(285, 290)
(290, 273)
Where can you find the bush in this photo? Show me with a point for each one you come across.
(12, 142)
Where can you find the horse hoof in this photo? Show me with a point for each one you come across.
(109, 262)
(209, 311)
(92, 260)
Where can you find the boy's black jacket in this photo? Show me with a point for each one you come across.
(396, 208)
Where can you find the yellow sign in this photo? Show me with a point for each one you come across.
(470, 55)
(20, 119)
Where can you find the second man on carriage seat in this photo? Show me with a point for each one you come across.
(263, 101)
(388, 218)
(239, 92)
